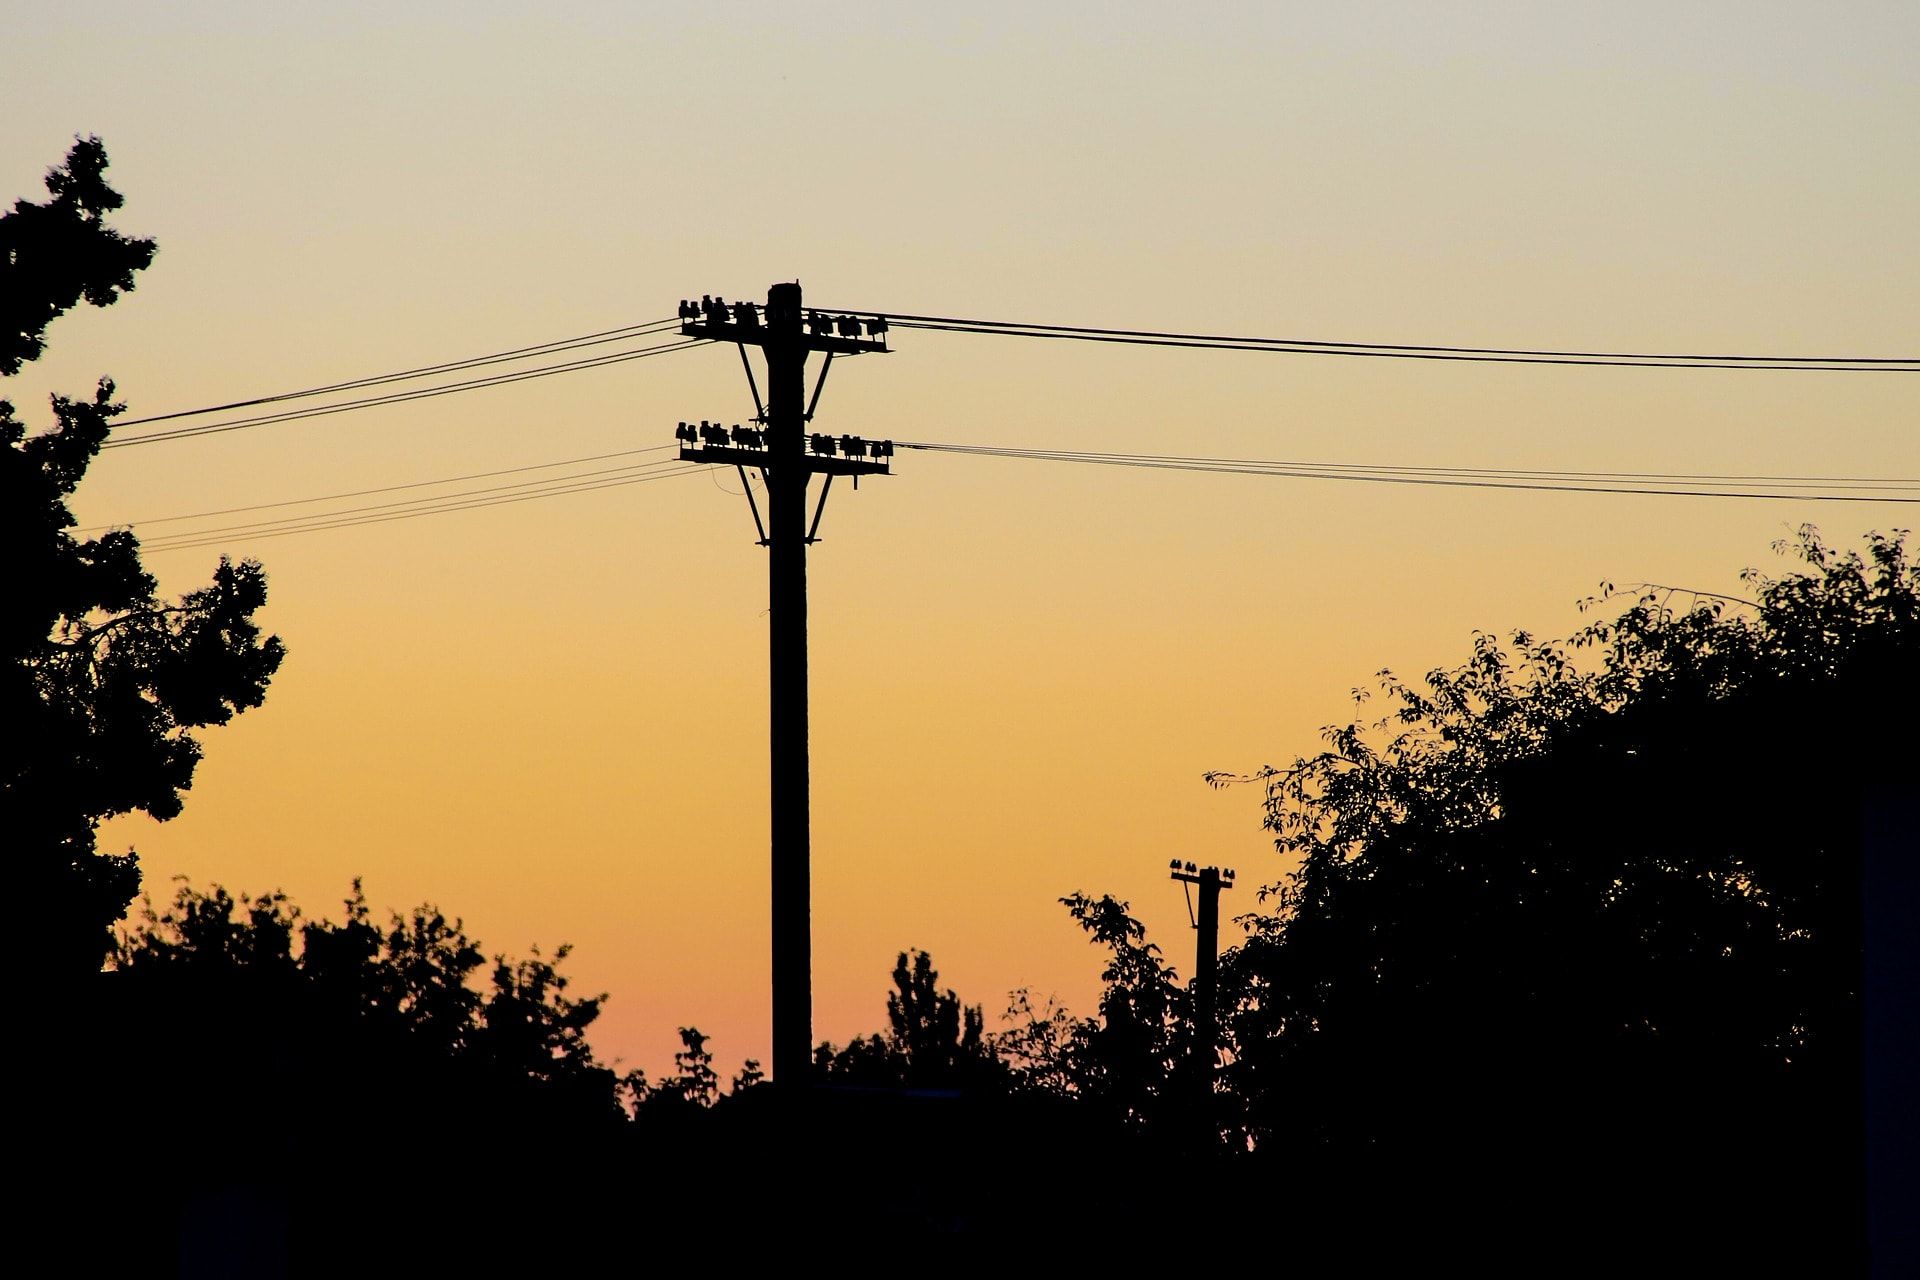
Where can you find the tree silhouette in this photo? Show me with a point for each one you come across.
(1575, 917)
(694, 1084)
(101, 683)
(932, 1041)
(54, 255)
(1038, 1045)
(408, 987)
(322, 1085)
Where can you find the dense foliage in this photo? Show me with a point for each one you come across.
(57, 254)
(101, 683)
(1130, 1062)
(1593, 908)
(416, 987)
(932, 1041)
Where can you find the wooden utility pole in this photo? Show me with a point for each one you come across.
(789, 769)
(1204, 989)
(787, 457)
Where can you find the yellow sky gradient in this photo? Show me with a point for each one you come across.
(550, 717)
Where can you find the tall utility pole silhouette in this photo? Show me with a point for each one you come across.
(787, 457)
(1204, 988)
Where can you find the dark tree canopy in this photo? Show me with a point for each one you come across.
(932, 1041)
(101, 682)
(246, 1089)
(56, 254)
(215, 975)
(1128, 1061)
(1596, 903)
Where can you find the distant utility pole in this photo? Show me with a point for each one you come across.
(1204, 989)
(787, 457)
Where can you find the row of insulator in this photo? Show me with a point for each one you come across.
(719, 311)
(826, 326)
(755, 438)
(747, 316)
(716, 433)
(1226, 873)
(704, 432)
(851, 446)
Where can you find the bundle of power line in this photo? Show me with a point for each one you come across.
(517, 364)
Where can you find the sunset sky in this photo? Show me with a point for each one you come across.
(549, 717)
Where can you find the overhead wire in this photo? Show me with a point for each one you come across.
(1567, 483)
(1696, 477)
(959, 324)
(1400, 351)
(387, 488)
(498, 357)
(1663, 484)
(523, 485)
(401, 397)
(1670, 484)
(323, 521)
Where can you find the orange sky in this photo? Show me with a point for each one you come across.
(549, 717)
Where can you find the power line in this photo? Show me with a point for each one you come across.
(363, 493)
(1709, 479)
(403, 503)
(1577, 480)
(321, 523)
(1574, 484)
(1404, 351)
(1400, 354)
(319, 526)
(497, 357)
(1031, 329)
(402, 397)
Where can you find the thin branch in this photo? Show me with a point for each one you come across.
(87, 637)
(1670, 590)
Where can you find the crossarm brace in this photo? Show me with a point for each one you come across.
(821, 509)
(755, 507)
(824, 366)
(759, 410)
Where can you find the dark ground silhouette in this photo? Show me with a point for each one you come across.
(1590, 987)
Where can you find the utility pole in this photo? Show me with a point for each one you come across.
(787, 457)
(1204, 989)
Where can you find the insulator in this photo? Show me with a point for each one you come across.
(822, 444)
(853, 446)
